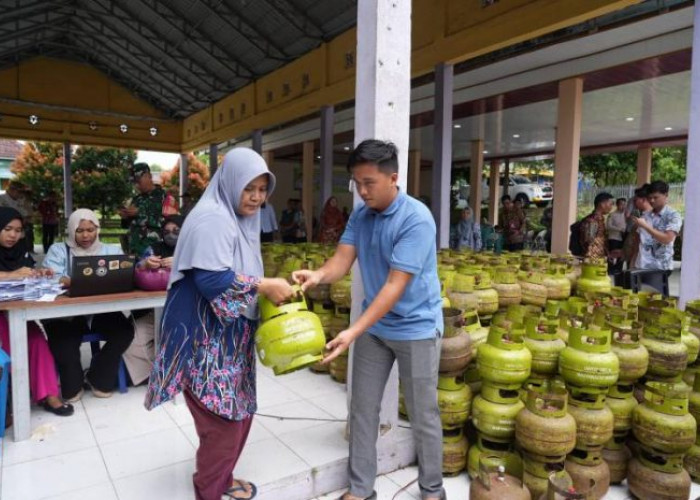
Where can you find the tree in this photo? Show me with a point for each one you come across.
(102, 178)
(197, 175)
(39, 166)
(609, 169)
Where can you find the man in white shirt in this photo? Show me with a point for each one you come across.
(268, 223)
(616, 226)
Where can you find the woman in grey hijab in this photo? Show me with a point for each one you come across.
(210, 317)
(468, 232)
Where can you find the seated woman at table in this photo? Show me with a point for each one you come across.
(17, 264)
(140, 355)
(66, 335)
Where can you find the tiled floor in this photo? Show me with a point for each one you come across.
(113, 449)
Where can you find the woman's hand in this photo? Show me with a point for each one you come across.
(65, 281)
(153, 262)
(166, 263)
(45, 272)
(24, 272)
(277, 290)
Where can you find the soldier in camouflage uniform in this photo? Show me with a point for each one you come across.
(144, 217)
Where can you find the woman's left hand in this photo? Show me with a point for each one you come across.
(166, 262)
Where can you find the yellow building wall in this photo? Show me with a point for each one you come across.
(67, 96)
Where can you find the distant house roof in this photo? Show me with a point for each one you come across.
(9, 149)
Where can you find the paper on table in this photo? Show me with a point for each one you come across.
(49, 297)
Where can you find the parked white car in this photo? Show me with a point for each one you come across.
(519, 188)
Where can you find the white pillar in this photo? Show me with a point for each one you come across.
(67, 180)
(494, 198)
(257, 140)
(690, 270)
(382, 106)
(213, 158)
(442, 152)
(566, 157)
(327, 123)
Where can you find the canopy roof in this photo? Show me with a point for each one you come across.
(178, 55)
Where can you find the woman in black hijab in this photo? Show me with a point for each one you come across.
(17, 264)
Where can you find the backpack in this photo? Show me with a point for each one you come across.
(575, 246)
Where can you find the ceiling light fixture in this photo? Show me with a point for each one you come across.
(123, 128)
(347, 148)
(516, 136)
(457, 125)
(33, 119)
(153, 131)
(668, 129)
(486, 152)
(630, 118)
(92, 126)
(318, 157)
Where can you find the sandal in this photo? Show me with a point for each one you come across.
(373, 496)
(242, 487)
(65, 410)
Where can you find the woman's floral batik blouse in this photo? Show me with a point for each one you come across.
(207, 346)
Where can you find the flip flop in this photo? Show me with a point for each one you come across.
(242, 489)
(373, 496)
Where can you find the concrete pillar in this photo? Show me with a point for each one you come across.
(643, 164)
(690, 270)
(382, 106)
(269, 157)
(183, 175)
(566, 157)
(327, 123)
(67, 180)
(476, 171)
(414, 158)
(442, 152)
(493, 192)
(257, 140)
(213, 159)
(307, 189)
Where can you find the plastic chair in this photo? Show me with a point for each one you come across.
(4, 378)
(95, 339)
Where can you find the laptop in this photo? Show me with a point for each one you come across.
(101, 274)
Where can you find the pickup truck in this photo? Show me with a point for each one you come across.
(519, 188)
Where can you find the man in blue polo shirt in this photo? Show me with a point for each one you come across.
(393, 237)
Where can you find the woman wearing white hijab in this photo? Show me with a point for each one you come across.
(66, 335)
(210, 317)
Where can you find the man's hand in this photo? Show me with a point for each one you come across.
(641, 222)
(339, 345)
(307, 279)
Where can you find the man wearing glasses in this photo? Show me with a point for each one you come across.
(393, 237)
